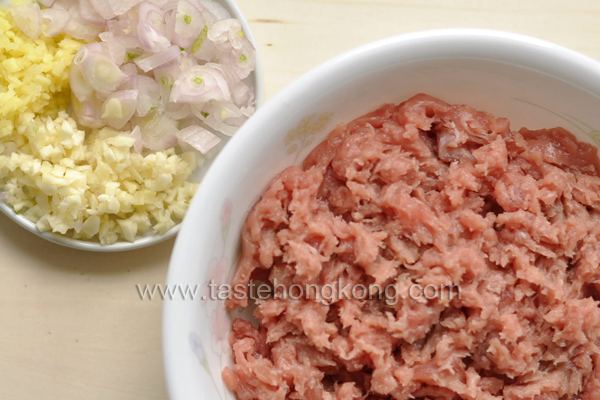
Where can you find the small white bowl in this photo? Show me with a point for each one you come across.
(255, 81)
(534, 83)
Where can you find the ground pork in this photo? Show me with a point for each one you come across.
(427, 193)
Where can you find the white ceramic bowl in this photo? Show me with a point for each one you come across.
(254, 81)
(534, 83)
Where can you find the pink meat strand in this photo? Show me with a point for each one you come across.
(427, 193)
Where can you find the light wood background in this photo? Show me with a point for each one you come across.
(72, 325)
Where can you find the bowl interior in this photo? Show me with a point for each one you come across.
(533, 83)
(254, 80)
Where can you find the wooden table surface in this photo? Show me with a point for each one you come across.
(72, 325)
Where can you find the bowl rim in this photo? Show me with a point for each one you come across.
(581, 69)
(143, 241)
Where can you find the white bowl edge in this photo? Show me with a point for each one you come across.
(583, 73)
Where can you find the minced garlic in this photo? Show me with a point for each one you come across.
(94, 186)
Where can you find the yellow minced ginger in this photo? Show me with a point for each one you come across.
(34, 75)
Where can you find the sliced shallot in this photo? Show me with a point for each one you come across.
(189, 23)
(199, 138)
(101, 73)
(54, 21)
(79, 86)
(28, 18)
(136, 133)
(80, 29)
(89, 14)
(200, 84)
(159, 65)
(148, 94)
(156, 60)
(103, 8)
(118, 109)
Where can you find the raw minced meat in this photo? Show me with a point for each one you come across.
(427, 193)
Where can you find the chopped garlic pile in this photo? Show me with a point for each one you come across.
(94, 186)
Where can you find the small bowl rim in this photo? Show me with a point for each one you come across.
(142, 241)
